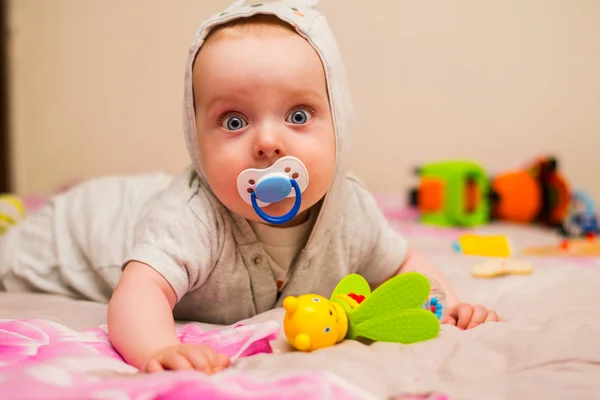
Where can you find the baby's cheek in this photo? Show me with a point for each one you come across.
(321, 176)
(228, 194)
(222, 185)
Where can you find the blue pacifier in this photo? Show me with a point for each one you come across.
(262, 187)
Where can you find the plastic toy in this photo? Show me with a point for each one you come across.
(496, 268)
(452, 193)
(582, 220)
(518, 197)
(578, 247)
(12, 210)
(538, 193)
(555, 192)
(484, 246)
(457, 193)
(401, 310)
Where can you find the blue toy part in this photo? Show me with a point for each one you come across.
(583, 218)
(435, 306)
(275, 189)
(588, 224)
(436, 303)
(580, 197)
(456, 247)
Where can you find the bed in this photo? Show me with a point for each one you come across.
(548, 348)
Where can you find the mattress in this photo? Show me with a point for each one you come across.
(546, 348)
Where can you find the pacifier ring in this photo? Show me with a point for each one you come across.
(284, 218)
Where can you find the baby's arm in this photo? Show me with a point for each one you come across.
(463, 315)
(142, 329)
(172, 254)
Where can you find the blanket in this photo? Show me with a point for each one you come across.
(40, 359)
(547, 348)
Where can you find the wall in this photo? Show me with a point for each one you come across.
(97, 85)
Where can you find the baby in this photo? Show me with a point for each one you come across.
(266, 209)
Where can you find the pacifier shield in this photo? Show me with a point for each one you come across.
(272, 184)
(273, 188)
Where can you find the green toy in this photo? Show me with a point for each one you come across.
(453, 193)
(400, 310)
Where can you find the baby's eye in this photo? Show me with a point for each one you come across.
(233, 123)
(299, 117)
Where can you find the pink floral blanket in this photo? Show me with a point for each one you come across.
(40, 359)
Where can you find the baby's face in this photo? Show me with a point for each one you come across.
(260, 97)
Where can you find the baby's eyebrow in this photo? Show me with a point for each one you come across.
(296, 95)
(307, 92)
(216, 100)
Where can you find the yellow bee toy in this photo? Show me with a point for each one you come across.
(400, 310)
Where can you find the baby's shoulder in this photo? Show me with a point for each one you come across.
(356, 198)
(183, 187)
(186, 201)
(362, 216)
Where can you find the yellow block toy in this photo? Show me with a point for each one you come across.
(484, 246)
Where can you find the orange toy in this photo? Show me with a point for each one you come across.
(539, 193)
(519, 197)
(555, 190)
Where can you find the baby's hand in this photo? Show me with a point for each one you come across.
(188, 356)
(465, 316)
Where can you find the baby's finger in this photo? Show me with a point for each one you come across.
(221, 362)
(175, 361)
(212, 357)
(197, 358)
(453, 312)
(224, 361)
(492, 317)
(449, 320)
(479, 315)
(153, 366)
(464, 316)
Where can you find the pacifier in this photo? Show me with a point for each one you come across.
(262, 187)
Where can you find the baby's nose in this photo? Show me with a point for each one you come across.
(269, 145)
(268, 152)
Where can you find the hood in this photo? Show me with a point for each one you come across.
(311, 25)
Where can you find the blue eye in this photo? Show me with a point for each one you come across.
(327, 330)
(234, 123)
(299, 117)
(316, 299)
